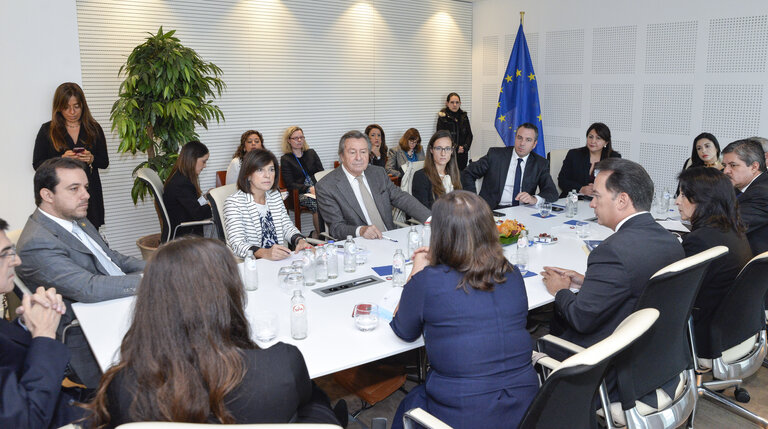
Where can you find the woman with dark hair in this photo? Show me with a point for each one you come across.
(456, 121)
(440, 174)
(705, 153)
(378, 155)
(188, 354)
(578, 171)
(298, 166)
(408, 150)
(707, 199)
(249, 141)
(255, 217)
(182, 196)
(73, 133)
(470, 304)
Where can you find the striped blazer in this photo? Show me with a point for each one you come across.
(243, 225)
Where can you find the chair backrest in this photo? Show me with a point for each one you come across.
(741, 313)
(174, 425)
(320, 174)
(566, 398)
(665, 351)
(221, 178)
(556, 158)
(217, 197)
(150, 177)
(13, 236)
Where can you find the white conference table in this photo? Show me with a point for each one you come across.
(333, 342)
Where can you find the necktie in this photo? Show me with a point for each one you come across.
(370, 206)
(518, 179)
(105, 262)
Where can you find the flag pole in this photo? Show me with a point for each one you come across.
(521, 17)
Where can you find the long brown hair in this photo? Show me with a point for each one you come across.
(182, 353)
(185, 163)
(450, 169)
(383, 148)
(58, 130)
(465, 238)
(240, 152)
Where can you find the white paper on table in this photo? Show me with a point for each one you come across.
(673, 225)
(389, 303)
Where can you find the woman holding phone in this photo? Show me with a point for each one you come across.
(73, 133)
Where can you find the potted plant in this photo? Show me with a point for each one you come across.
(168, 90)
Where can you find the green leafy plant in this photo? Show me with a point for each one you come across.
(167, 91)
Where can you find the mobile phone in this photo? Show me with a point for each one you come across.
(498, 214)
(78, 149)
(557, 209)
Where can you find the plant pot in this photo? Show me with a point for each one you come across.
(148, 245)
(506, 241)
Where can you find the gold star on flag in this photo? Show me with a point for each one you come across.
(531, 76)
(539, 117)
(501, 90)
(502, 118)
(508, 78)
(498, 104)
(518, 73)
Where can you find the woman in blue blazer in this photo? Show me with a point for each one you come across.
(470, 304)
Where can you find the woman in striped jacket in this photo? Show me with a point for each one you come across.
(255, 217)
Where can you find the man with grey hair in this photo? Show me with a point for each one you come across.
(744, 162)
(357, 199)
(764, 143)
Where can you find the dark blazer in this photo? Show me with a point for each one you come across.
(180, 197)
(341, 211)
(276, 389)
(379, 162)
(53, 257)
(717, 280)
(753, 205)
(421, 188)
(292, 173)
(31, 371)
(44, 151)
(617, 272)
(493, 167)
(575, 171)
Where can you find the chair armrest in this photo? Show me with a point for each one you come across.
(191, 223)
(327, 236)
(564, 344)
(417, 415)
(401, 224)
(314, 241)
(413, 221)
(542, 359)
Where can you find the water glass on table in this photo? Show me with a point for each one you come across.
(265, 326)
(582, 230)
(293, 281)
(366, 316)
(545, 209)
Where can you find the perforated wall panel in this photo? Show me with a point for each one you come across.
(738, 44)
(562, 142)
(732, 111)
(328, 67)
(490, 101)
(663, 163)
(623, 147)
(561, 105)
(671, 47)
(490, 55)
(612, 105)
(667, 109)
(565, 52)
(613, 50)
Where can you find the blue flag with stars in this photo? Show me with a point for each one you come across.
(519, 96)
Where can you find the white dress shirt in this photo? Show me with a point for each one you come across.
(508, 195)
(358, 196)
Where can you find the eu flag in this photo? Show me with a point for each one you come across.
(519, 97)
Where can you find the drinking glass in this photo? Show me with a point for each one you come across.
(545, 209)
(265, 326)
(582, 230)
(293, 281)
(361, 255)
(366, 316)
(521, 261)
(284, 271)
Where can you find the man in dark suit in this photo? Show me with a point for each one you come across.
(511, 175)
(619, 268)
(60, 247)
(357, 199)
(744, 162)
(32, 362)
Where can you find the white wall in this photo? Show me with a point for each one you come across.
(656, 72)
(39, 50)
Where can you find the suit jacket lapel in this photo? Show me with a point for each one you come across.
(345, 190)
(531, 170)
(502, 176)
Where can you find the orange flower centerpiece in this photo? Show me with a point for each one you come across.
(509, 231)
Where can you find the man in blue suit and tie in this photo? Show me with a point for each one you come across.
(59, 247)
(32, 362)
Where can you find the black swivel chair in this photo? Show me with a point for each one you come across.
(738, 335)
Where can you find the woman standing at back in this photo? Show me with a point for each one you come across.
(456, 121)
(188, 354)
(73, 133)
(470, 304)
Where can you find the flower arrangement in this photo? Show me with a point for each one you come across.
(509, 231)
